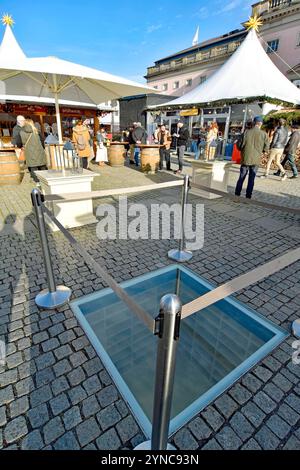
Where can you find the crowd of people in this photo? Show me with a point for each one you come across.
(255, 142)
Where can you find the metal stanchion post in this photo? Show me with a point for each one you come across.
(54, 296)
(168, 329)
(182, 255)
(296, 328)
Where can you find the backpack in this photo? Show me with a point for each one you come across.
(81, 144)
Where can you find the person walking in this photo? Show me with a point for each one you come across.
(81, 140)
(278, 144)
(164, 139)
(182, 136)
(35, 154)
(139, 136)
(16, 137)
(290, 151)
(255, 143)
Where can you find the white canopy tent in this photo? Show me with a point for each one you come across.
(248, 75)
(53, 78)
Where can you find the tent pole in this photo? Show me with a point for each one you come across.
(226, 132)
(58, 119)
(245, 119)
(57, 110)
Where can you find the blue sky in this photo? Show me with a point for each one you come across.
(119, 37)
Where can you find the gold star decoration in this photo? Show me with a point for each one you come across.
(254, 22)
(7, 20)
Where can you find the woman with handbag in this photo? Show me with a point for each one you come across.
(101, 156)
(34, 151)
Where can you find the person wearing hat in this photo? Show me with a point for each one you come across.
(255, 142)
(16, 135)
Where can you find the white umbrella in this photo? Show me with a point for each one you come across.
(248, 75)
(50, 77)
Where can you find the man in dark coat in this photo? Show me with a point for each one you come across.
(290, 151)
(16, 137)
(255, 143)
(139, 136)
(183, 136)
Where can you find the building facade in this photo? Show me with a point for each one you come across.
(179, 73)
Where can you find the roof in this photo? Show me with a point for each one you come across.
(218, 41)
(248, 75)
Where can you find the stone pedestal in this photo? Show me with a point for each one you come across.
(70, 213)
(212, 174)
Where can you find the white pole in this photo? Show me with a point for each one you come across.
(57, 110)
(245, 118)
(58, 119)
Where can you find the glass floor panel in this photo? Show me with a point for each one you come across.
(216, 347)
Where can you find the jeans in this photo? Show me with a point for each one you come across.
(291, 159)
(164, 155)
(137, 156)
(180, 153)
(245, 169)
(33, 169)
(85, 162)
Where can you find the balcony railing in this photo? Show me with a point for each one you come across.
(211, 54)
(268, 5)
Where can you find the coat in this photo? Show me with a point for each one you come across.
(84, 132)
(35, 154)
(183, 138)
(293, 143)
(139, 135)
(16, 137)
(165, 138)
(280, 138)
(255, 143)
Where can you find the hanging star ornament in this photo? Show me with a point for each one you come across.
(254, 22)
(7, 20)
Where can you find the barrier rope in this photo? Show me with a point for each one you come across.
(250, 202)
(111, 192)
(107, 278)
(241, 282)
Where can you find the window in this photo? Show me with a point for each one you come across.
(175, 85)
(203, 79)
(273, 46)
(188, 82)
(156, 87)
(165, 87)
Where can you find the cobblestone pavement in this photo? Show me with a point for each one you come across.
(54, 391)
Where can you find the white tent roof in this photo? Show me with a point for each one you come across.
(24, 76)
(249, 74)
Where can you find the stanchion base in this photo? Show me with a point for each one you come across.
(51, 300)
(296, 328)
(147, 446)
(180, 256)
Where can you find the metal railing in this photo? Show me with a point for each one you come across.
(167, 324)
(215, 52)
